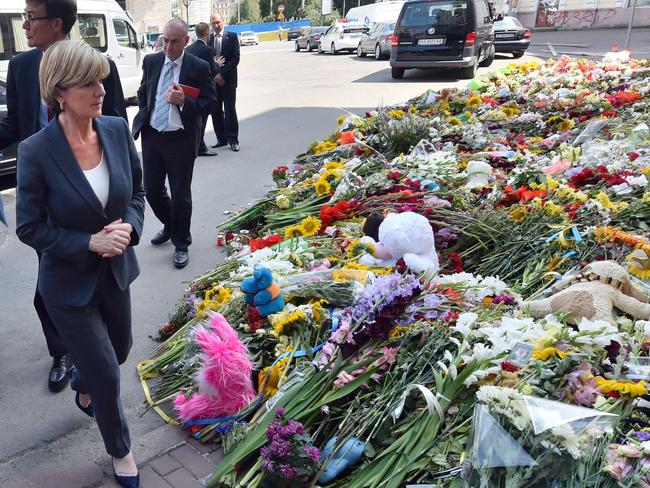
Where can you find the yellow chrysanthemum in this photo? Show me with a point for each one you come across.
(566, 125)
(474, 101)
(322, 187)
(396, 114)
(317, 310)
(310, 226)
(323, 146)
(292, 232)
(518, 213)
(553, 210)
(334, 165)
(604, 200)
(548, 352)
(221, 295)
(454, 121)
(274, 374)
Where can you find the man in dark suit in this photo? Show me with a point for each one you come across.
(202, 50)
(224, 117)
(170, 121)
(46, 22)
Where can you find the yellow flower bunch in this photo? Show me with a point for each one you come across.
(566, 125)
(454, 121)
(550, 185)
(379, 271)
(332, 175)
(284, 320)
(283, 201)
(646, 197)
(474, 101)
(292, 232)
(358, 248)
(622, 387)
(518, 213)
(309, 226)
(274, 373)
(604, 200)
(322, 187)
(317, 309)
(568, 193)
(215, 298)
(334, 165)
(322, 147)
(396, 114)
(553, 210)
(549, 352)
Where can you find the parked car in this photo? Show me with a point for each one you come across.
(443, 34)
(295, 33)
(309, 41)
(248, 38)
(511, 37)
(8, 155)
(342, 37)
(377, 41)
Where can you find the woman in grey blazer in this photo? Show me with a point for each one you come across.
(80, 203)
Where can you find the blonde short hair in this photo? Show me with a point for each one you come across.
(66, 64)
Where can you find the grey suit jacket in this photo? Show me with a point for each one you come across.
(57, 210)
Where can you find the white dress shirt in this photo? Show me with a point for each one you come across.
(98, 178)
(175, 123)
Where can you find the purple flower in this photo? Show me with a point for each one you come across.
(269, 465)
(507, 299)
(573, 171)
(313, 453)
(296, 427)
(280, 448)
(642, 436)
(279, 411)
(432, 301)
(287, 471)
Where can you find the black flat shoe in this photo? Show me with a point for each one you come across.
(208, 152)
(88, 409)
(220, 144)
(59, 373)
(234, 146)
(126, 481)
(181, 258)
(162, 236)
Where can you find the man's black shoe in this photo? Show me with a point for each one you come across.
(234, 146)
(59, 373)
(220, 144)
(207, 152)
(162, 236)
(181, 258)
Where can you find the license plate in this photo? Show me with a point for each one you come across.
(504, 36)
(431, 42)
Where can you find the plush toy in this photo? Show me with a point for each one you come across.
(345, 457)
(405, 235)
(593, 293)
(224, 378)
(478, 174)
(262, 292)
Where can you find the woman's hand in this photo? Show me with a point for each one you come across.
(112, 240)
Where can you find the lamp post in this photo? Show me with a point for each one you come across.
(239, 11)
(629, 25)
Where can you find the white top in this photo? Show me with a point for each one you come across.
(99, 181)
(174, 122)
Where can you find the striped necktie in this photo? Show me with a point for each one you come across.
(161, 111)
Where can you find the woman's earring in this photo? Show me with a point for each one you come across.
(61, 105)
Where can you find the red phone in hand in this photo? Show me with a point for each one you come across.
(190, 90)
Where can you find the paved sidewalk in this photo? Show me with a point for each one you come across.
(181, 466)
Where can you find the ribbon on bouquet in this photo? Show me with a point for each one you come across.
(334, 314)
(562, 238)
(432, 401)
(147, 393)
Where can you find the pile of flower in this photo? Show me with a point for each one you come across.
(525, 176)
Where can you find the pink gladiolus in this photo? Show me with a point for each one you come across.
(558, 167)
(343, 379)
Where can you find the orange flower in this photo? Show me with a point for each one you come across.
(347, 137)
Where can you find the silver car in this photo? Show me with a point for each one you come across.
(342, 37)
(377, 41)
(8, 155)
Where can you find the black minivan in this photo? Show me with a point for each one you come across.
(443, 34)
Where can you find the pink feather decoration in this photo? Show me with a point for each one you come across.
(224, 379)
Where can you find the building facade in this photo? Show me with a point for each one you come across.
(149, 15)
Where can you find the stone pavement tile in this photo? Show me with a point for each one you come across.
(216, 456)
(150, 479)
(181, 478)
(164, 465)
(193, 461)
(202, 447)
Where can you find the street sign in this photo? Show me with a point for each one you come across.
(327, 7)
(280, 8)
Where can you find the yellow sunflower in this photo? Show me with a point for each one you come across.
(292, 232)
(334, 165)
(474, 101)
(322, 187)
(310, 226)
(454, 121)
(331, 175)
(358, 248)
(396, 114)
(282, 322)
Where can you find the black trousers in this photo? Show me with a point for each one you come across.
(224, 116)
(98, 337)
(169, 155)
(55, 345)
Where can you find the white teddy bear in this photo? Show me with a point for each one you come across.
(405, 235)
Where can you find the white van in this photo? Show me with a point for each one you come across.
(375, 12)
(101, 23)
